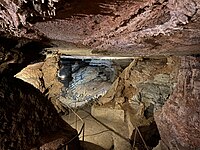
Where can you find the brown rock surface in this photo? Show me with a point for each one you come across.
(49, 70)
(143, 80)
(43, 76)
(129, 26)
(32, 74)
(28, 119)
(109, 27)
(141, 89)
(178, 121)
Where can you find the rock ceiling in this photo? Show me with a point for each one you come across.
(140, 27)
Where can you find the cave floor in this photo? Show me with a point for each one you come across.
(104, 133)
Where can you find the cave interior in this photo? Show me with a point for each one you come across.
(100, 74)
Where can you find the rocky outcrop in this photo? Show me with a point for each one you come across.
(33, 75)
(29, 120)
(139, 91)
(90, 82)
(146, 80)
(15, 15)
(43, 76)
(178, 122)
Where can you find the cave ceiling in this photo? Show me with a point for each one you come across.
(107, 27)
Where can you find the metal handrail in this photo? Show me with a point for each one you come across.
(82, 130)
(138, 131)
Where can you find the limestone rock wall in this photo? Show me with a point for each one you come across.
(140, 91)
(178, 121)
(148, 81)
(43, 76)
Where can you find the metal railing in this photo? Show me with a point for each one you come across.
(134, 140)
(82, 129)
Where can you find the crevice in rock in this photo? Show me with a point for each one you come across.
(150, 135)
(125, 22)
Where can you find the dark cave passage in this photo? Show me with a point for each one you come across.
(146, 136)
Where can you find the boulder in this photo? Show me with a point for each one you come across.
(28, 119)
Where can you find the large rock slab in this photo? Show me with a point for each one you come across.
(116, 115)
(43, 76)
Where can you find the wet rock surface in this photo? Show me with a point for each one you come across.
(178, 122)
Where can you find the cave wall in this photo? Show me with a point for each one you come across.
(143, 80)
(29, 120)
(178, 121)
(175, 109)
(139, 91)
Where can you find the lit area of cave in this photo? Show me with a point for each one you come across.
(86, 78)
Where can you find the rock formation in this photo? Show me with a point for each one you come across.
(139, 91)
(178, 121)
(43, 76)
(166, 30)
(15, 14)
(89, 82)
(29, 120)
(148, 80)
(109, 27)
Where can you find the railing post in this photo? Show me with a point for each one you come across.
(83, 132)
(82, 129)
